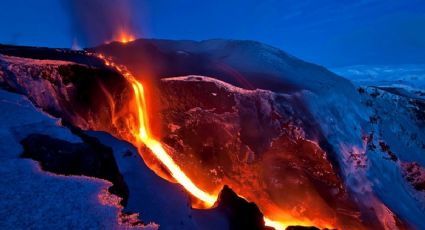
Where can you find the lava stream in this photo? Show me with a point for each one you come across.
(143, 137)
(157, 149)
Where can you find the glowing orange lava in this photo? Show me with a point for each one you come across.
(157, 149)
(144, 138)
(126, 38)
(123, 37)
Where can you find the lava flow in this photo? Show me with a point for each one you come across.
(144, 138)
(157, 149)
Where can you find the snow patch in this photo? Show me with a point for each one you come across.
(30, 61)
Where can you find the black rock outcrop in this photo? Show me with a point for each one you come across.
(89, 159)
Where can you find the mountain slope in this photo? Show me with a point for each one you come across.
(305, 132)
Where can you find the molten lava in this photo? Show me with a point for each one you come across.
(143, 137)
(125, 38)
(157, 149)
(122, 36)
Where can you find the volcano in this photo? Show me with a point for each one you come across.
(261, 139)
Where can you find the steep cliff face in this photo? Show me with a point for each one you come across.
(83, 95)
(254, 141)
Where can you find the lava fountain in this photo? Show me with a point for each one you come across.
(97, 21)
(125, 37)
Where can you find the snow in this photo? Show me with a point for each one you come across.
(155, 199)
(385, 75)
(389, 96)
(219, 83)
(33, 199)
(30, 61)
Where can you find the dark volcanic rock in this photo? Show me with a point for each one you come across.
(385, 148)
(89, 158)
(301, 228)
(241, 213)
(41, 53)
(415, 175)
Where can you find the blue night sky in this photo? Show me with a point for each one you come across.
(330, 33)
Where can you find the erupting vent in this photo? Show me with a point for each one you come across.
(124, 37)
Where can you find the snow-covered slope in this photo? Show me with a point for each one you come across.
(28, 195)
(394, 140)
(385, 75)
(155, 199)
